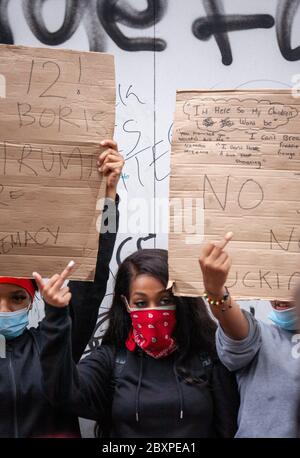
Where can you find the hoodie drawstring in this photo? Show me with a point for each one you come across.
(180, 393)
(138, 390)
(137, 397)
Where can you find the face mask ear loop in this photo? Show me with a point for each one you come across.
(124, 299)
(32, 299)
(31, 304)
(170, 286)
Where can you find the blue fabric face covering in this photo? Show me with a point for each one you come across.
(13, 324)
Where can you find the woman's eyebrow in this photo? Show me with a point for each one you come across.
(159, 293)
(166, 292)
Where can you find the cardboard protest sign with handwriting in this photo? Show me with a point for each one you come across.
(235, 166)
(55, 108)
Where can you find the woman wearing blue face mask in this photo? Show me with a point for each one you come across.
(284, 315)
(16, 297)
(262, 356)
(24, 408)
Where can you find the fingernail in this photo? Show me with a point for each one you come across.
(102, 143)
(34, 273)
(71, 264)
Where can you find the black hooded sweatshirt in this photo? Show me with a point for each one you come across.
(24, 408)
(147, 399)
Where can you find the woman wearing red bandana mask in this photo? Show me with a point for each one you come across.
(156, 373)
(24, 409)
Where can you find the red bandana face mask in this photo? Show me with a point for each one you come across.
(152, 331)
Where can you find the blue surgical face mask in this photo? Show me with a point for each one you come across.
(13, 324)
(286, 319)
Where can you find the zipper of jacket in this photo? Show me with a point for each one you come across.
(14, 389)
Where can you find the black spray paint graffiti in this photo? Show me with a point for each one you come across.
(103, 17)
(100, 17)
(110, 12)
(6, 35)
(139, 246)
(217, 24)
(284, 20)
(33, 14)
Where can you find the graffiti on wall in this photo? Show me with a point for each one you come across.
(102, 18)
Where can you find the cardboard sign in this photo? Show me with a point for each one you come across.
(236, 167)
(55, 108)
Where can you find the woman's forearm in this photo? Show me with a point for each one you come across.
(231, 318)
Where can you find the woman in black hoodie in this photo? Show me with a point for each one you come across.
(156, 373)
(24, 408)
